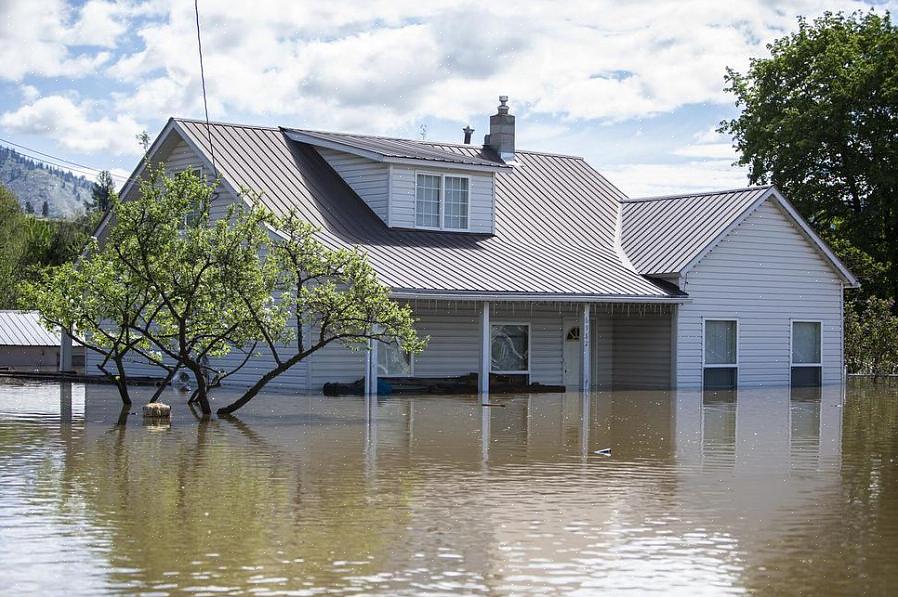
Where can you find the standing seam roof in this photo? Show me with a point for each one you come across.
(23, 328)
(555, 221)
(662, 235)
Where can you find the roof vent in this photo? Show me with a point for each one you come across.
(468, 131)
(501, 137)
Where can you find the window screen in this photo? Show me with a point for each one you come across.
(510, 348)
(393, 361)
(456, 203)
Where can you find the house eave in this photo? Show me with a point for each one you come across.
(551, 297)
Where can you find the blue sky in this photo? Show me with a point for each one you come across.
(635, 87)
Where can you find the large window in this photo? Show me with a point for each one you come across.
(393, 360)
(721, 368)
(442, 201)
(807, 367)
(510, 348)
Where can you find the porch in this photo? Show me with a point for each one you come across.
(622, 345)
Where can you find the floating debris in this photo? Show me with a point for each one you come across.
(603, 452)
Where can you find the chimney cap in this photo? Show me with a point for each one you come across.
(503, 104)
(468, 131)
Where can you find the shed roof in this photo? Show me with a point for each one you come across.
(23, 328)
(662, 235)
(556, 219)
(392, 149)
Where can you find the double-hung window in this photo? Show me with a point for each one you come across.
(394, 361)
(721, 354)
(442, 201)
(807, 366)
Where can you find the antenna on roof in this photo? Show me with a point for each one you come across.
(199, 43)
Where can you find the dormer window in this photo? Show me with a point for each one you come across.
(441, 201)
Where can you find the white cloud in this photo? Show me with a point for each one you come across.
(707, 150)
(73, 127)
(648, 180)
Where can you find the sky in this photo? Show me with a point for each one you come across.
(637, 87)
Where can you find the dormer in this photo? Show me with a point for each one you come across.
(422, 185)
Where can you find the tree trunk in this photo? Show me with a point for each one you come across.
(122, 381)
(257, 387)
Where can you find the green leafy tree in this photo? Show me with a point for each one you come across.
(818, 119)
(11, 246)
(332, 293)
(871, 337)
(102, 192)
(29, 209)
(45, 209)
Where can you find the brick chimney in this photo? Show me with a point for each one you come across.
(501, 137)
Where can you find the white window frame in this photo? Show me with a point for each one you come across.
(442, 202)
(411, 362)
(792, 364)
(738, 348)
(529, 346)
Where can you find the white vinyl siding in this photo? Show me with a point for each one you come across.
(765, 273)
(369, 179)
(403, 197)
(641, 351)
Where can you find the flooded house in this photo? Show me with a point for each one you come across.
(534, 267)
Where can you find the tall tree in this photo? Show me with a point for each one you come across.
(45, 209)
(819, 120)
(11, 246)
(102, 191)
(29, 209)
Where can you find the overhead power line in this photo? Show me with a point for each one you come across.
(199, 44)
(62, 162)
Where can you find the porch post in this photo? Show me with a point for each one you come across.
(586, 344)
(371, 369)
(65, 351)
(484, 377)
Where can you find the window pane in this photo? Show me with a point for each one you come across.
(720, 342)
(427, 209)
(805, 342)
(456, 205)
(806, 377)
(510, 346)
(392, 361)
(720, 378)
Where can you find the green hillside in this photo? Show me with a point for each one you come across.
(35, 182)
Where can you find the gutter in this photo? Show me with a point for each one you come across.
(534, 296)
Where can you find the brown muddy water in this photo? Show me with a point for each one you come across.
(766, 492)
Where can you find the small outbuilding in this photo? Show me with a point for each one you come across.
(26, 346)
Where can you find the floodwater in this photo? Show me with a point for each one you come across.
(765, 492)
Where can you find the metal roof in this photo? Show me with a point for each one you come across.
(23, 328)
(401, 149)
(556, 220)
(662, 235)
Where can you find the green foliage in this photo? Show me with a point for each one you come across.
(871, 337)
(180, 288)
(818, 120)
(102, 192)
(11, 246)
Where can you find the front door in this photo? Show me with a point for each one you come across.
(573, 354)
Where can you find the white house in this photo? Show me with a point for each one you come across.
(533, 264)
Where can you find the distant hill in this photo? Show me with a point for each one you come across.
(64, 192)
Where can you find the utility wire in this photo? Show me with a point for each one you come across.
(199, 44)
(84, 169)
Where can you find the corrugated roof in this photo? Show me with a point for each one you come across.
(408, 149)
(555, 221)
(23, 328)
(662, 235)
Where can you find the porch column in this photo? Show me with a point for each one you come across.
(65, 351)
(371, 369)
(585, 344)
(484, 377)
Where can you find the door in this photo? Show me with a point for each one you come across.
(573, 354)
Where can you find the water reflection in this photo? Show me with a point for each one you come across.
(758, 491)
